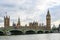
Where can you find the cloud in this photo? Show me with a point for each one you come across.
(44, 4)
(57, 22)
(29, 10)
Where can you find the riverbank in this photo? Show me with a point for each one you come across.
(30, 34)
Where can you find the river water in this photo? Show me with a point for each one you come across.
(53, 36)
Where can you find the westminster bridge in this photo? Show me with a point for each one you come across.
(22, 30)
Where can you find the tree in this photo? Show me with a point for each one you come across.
(59, 25)
(54, 27)
(59, 28)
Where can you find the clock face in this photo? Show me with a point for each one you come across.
(48, 17)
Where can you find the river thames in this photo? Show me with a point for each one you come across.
(52, 36)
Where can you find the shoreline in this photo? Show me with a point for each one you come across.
(29, 34)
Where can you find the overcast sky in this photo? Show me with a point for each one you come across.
(30, 10)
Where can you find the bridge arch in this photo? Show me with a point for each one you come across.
(40, 31)
(47, 31)
(2, 33)
(30, 32)
(51, 31)
(16, 32)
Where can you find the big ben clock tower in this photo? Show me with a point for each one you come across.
(48, 21)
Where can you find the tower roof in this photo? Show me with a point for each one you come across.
(48, 13)
(6, 15)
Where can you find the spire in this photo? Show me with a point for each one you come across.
(48, 13)
(18, 23)
(6, 14)
(18, 20)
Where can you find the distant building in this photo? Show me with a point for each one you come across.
(33, 25)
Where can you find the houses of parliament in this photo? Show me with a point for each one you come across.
(32, 25)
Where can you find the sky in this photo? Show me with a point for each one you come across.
(30, 11)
